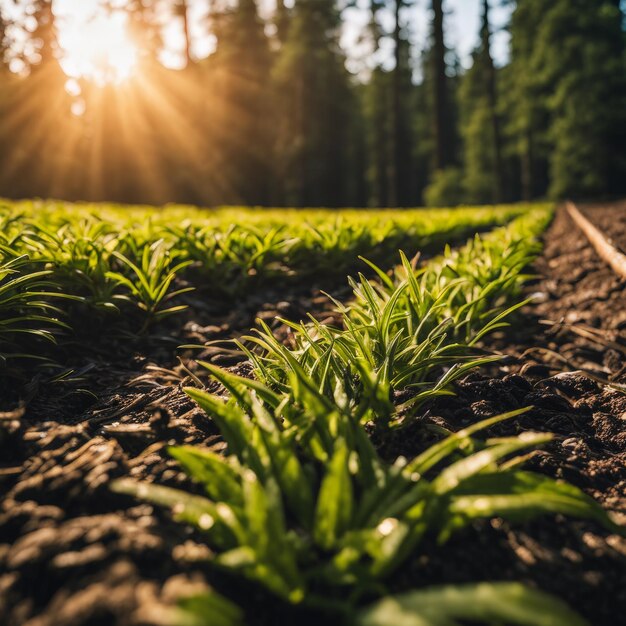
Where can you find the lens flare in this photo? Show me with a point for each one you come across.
(99, 49)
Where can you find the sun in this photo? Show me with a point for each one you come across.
(98, 48)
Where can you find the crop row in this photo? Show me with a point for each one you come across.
(64, 265)
(229, 248)
(303, 505)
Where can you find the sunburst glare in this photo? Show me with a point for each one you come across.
(98, 49)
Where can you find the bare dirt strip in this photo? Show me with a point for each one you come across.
(560, 350)
(72, 553)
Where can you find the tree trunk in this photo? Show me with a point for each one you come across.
(184, 12)
(46, 33)
(493, 105)
(395, 169)
(440, 92)
(527, 167)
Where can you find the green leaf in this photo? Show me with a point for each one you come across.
(287, 468)
(267, 535)
(207, 608)
(215, 520)
(234, 426)
(454, 475)
(439, 451)
(220, 480)
(240, 387)
(484, 603)
(336, 499)
(519, 496)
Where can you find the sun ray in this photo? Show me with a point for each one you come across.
(98, 48)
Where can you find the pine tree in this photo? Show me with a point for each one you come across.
(442, 156)
(5, 42)
(526, 104)
(491, 89)
(441, 83)
(588, 103)
(282, 19)
(241, 117)
(314, 104)
(181, 9)
(480, 123)
(401, 191)
(566, 96)
(376, 107)
(388, 107)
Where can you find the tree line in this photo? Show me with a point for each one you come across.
(273, 116)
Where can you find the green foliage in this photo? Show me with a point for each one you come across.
(314, 109)
(566, 95)
(226, 250)
(446, 188)
(150, 282)
(302, 504)
(478, 175)
(479, 122)
(588, 76)
(126, 268)
(501, 603)
(412, 331)
(27, 314)
(200, 610)
(492, 603)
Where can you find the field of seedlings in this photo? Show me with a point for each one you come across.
(262, 417)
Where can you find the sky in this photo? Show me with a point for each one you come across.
(462, 28)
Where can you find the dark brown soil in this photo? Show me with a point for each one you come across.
(610, 220)
(74, 554)
(579, 325)
(71, 552)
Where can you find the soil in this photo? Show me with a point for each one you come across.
(74, 554)
(611, 220)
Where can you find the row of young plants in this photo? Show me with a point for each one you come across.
(229, 249)
(64, 265)
(247, 238)
(303, 505)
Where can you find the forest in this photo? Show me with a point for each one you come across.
(272, 116)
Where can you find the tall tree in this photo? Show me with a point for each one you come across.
(492, 93)
(395, 181)
(567, 95)
(282, 18)
(376, 106)
(525, 101)
(442, 155)
(401, 191)
(588, 103)
(240, 111)
(480, 123)
(388, 107)
(314, 107)
(45, 32)
(182, 10)
(441, 81)
(5, 41)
